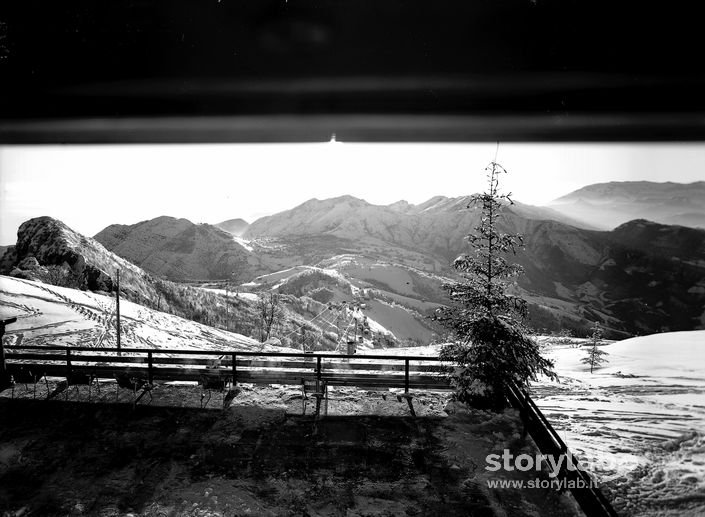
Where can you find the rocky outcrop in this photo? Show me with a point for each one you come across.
(49, 251)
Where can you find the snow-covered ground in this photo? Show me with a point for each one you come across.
(638, 421)
(50, 315)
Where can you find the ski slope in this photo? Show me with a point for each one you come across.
(50, 315)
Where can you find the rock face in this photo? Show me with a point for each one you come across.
(607, 205)
(178, 249)
(47, 249)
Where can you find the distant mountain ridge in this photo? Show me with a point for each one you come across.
(572, 272)
(236, 227)
(640, 277)
(438, 225)
(178, 249)
(607, 205)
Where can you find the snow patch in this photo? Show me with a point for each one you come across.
(244, 243)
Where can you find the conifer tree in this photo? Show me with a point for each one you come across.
(595, 356)
(492, 347)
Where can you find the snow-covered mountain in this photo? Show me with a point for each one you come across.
(607, 205)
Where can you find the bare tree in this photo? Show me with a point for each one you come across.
(269, 314)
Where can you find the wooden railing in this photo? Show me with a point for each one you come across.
(590, 498)
(366, 371)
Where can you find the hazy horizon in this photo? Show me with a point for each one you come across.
(91, 187)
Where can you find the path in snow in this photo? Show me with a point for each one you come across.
(638, 421)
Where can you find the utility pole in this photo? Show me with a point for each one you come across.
(227, 308)
(117, 309)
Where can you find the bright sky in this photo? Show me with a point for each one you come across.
(90, 187)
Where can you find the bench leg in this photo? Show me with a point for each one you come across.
(207, 400)
(144, 392)
(411, 406)
(408, 398)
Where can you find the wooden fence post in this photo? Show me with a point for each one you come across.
(406, 376)
(150, 375)
(117, 309)
(4, 375)
(234, 370)
(318, 373)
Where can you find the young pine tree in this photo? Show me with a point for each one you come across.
(492, 348)
(595, 356)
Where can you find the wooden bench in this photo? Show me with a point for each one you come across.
(213, 379)
(128, 380)
(316, 388)
(25, 375)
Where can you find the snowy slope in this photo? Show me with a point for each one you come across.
(50, 315)
(638, 421)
